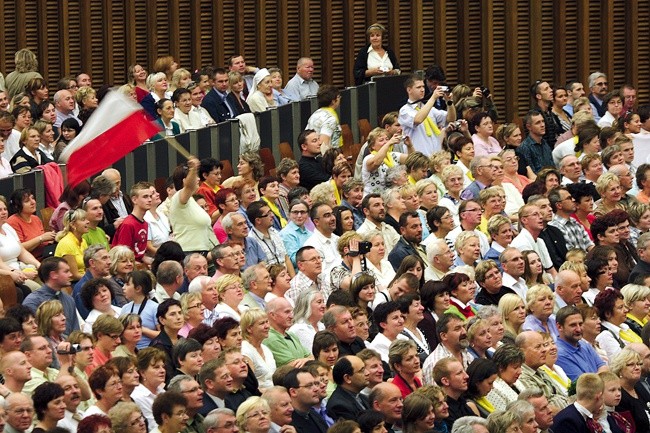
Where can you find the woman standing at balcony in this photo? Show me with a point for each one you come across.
(375, 59)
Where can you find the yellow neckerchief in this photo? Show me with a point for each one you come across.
(337, 196)
(332, 112)
(575, 139)
(429, 125)
(470, 176)
(276, 211)
(556, 376)
(485, 404)
(640, 322)
(629, 336)
(411, 180)
(388, 160)
(215, 189)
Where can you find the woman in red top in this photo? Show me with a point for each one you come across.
(404, 361)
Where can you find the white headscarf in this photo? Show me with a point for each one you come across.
(259, 76)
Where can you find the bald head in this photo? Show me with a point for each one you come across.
(17, 399)
(277, 304)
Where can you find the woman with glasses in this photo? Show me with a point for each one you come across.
(294, 234)
(510, 170)
(482, 129)
(193, 309)
(628, 366)
(128, 373)
(452, 176)
(127, 418)
(253, 416)
(183, 113)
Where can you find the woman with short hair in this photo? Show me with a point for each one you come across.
(404, 361)
(508, 359)
(255, 329)
(628, 366)
(615, 334)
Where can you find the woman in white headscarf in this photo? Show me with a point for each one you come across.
(262, 97)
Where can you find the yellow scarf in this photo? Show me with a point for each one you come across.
(556, 376)
(485, 404)
(337, 196)
(332, 112)
(640, 322)
(429, 125)
(388, 160)
(276, 211)
(411, 180)
(629, 336)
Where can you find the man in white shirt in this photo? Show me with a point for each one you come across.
(441, 259)
(532, 224)
(169, 278)
(323, 238)
(72, 399)
(512, 262)
(375, 212)
(469, 213)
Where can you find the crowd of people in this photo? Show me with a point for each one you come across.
(460, 275)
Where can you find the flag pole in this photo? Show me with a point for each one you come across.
(171, 140)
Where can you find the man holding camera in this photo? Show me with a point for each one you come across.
(421, 122)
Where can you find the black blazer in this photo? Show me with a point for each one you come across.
(111, 214)
(312, 423)
(208, 405)
(361, 64)
(570, 420)
(238, 109)
(343, 405)
(216, 107)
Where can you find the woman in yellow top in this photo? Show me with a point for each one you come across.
(341, 172)
(71, 245)
(637, 300)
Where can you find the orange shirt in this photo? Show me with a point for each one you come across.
(28, 230)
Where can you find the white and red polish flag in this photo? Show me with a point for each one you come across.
(117, 127)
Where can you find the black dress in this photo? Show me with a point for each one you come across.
(638, 408)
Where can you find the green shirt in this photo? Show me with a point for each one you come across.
(285, 348)
(96, 236)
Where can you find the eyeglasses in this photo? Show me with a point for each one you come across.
(310, 385)
(113, 383)
(474, 210)
(313, 259)
(634, 364)
(299, 212)
(570, 198)
(260, 414)
(194, 306)
(113, 336)
(602, 83)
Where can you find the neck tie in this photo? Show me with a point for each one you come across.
(594, 426)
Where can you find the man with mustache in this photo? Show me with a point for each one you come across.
(72, 399)
(574, 354)
(453, 343)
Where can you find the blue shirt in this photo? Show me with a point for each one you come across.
(148, 317)
(577, 360)
(254, 253)
(45, 293)
(294, 238)
(535, 155)
(532, 323)
(76, 294)
(359, 217)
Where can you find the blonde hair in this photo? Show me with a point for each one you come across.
(634, 292)
(535, 292)
(249, 318)
(25, 61)
(450, 170)
(69, 218)
(507, 305)
(44, 314)
(249, 404)
(423, 184)
(187, 299)
(504, 132)
(605, 180)
(437, 158)
(322, 193)
(178, 75)
(463, 238)
(119, 253)
(617, 363)
(374, 134)
(152, 79)
(224, 281)
(84, 93)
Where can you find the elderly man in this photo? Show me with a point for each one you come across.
(310, 267)
(483, 174)
(453, 343)
(64, 105)
(235, 225)
(209, 297)
(189, 387)
(440, 258)
(347, 402)
(281, 407)
(543, 411)
(323, 238)
(563, 205)
(599, 87)
(574, 354)
(338, 320)
(513, 265)
(302, 85)
(98, 264)
(20, 412)
(72, 399)
(535, 352)
(386, 398)
(568, 290)
(470, 424)
(257, 282)
(225, 261)
(532, 224)
(642, 269)
(570, 169)
(286, 346)
(118, 207)
(169, 279)
(220, 420)
(194, 264)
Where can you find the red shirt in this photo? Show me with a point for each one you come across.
(404, 387)
(132, 233)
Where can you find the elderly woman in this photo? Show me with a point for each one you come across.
(513, 312)
(468, 249)
(127, 418)
(613, 313)
(97, 296)
(482, 374)
(377, 262)
(183, 113)
(540, 301)
(151, 367)
(51, 325)
(503, 422)
(628, 366)
(405, 364)
(255, 329)
(508, 359)
(71, 245)
(437, 162)
(379, 159)
(261, 98)
(510, 169)
(480, 338)
(122, 263)
(375, 59)
(193, 310)
(86, 98)
(307, 315)
(499, 229)
(492, 315)
(462, 289)
(187, 358)
(559, 379)
(491, 200)
(253, 416)
(29, 156)
(231, 293)
(609, 188)
(452, 176)
(637, 301)
(157, 85)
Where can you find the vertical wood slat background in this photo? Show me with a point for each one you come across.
(503, 45)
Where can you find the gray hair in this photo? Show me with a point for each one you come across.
(488, 311)
(250, 275)
(528, 393)
(466, 424)
(90, 253)
(643, 241)
(435, 248)
(594, 76)
(198, 283)
(270, 393)
(227, 222)
(212, 419)
(475, 163)
(175, 383)
(189, 257)
(520, 408)
(302, 310)
(329, 319)
(389, 195)
(395, 172)
(168, 271)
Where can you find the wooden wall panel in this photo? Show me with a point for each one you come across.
(502, 45)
